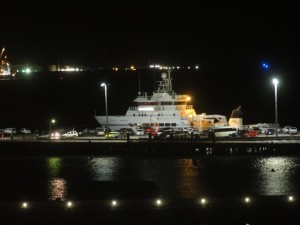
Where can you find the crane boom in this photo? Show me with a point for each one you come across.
(3, 49)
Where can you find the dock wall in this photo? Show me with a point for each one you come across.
(146, 148)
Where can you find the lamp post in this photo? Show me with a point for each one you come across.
(51, 121)
(275, 82)
(105, 89)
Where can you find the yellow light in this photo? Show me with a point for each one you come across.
(114, 203)
(291, 198)
(188, 98)
(247, 200)
(69, 204)
(158, 202)
(24, 205)
(203, 201)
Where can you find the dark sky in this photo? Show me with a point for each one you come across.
(228, 40)
(98, 33)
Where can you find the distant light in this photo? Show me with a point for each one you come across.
(203, 201)
(103, 84)
(69, 204)
(158, 202)
(53, 121)
(291, 198)
(27, 70)
(188, 98)
(114, 203)
(247, 200)
(196, 67)
(265, 66)
(24, 205)
(189, 67)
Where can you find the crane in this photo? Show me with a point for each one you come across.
(4, 64)
(3, 50)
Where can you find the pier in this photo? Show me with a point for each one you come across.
(29, 145)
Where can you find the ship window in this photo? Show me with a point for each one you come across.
(167, 124)
(158, 114)
(173, 124)
(179, 103)
(161, 124)
(173, 114)
(133, 114)
(146, 103)
(166, 103)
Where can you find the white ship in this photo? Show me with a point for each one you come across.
(4, 64)
(163, 109)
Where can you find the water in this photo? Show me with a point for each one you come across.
(84, 177)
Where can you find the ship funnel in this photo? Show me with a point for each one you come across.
(236, 119)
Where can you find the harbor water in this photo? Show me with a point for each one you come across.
(42, 178)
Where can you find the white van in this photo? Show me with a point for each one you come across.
(70, 134)
(10, 131)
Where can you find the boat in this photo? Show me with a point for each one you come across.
(4, 64)
(230, 129)
(164, 108)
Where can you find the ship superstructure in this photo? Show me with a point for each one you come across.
(163, 109)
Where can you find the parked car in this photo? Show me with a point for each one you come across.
(269, 131)
(25, 131)
(10, 131)
(113, 134)
(100, 131)
(293, 130)
(139, 131)
(69, 134)
(251, 133)
(127, 130)
(286, 129)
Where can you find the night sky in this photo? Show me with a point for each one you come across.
(229, 40)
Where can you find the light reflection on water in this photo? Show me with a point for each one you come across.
(55, 178)
(276, 175)
(57, 189)
(103, 168)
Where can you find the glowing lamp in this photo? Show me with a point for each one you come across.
(69, 204)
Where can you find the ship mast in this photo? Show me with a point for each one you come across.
(169, 80)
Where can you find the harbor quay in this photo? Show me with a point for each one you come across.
(274, 210)
(29, 145)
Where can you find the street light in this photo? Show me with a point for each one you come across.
(105, 89)
(51, 121)
(275, 82)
